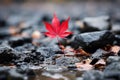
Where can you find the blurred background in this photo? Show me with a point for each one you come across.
(76, 8)
(34, 12)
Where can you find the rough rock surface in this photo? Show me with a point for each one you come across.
(91, 41)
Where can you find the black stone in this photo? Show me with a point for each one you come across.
(91, 41)
(19, 41)
(45, 18)
(7, 54)
(3, 23)
(117, 39)
(33, 58)
(119, 53)
(94, 61)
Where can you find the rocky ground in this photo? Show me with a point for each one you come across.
(92, 52)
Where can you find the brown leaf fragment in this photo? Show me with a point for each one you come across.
(100, 64)
(81, 52)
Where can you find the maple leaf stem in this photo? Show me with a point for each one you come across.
(58, 40)
(60, 44)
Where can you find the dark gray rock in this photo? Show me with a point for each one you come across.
(3, 23)
(93, 75)
(7, 73)
(117, 39)
(47, 42)
(34, 58)
(113, 67)
(116, 28)
(4, 32)
(7, 54)
(93, 40)
(99, 53)
(95, 60)
(96, 23)
(19, 41)
(25, 70)
(66, 61)
(25, 47)
(112, 59)
(45, 17)
(47, 51)
(72, 67)
(119, 53)
(112, 75)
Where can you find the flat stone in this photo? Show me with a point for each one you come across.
(96, 23)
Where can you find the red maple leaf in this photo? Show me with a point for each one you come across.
(56, 29)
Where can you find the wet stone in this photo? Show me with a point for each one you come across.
(117, 39)
(112, 59)
(7, 54)
(45, 18)
(19, 41)
(96, 23)
(116, 28)
(54, 68)
(47, 51)
(27, 71)
(66, 61)
(113, 67)
(91, 41)
(98, 54)
(50, 60)
(33, 58)
(112, 75)
(48, 43)
(13, 74)
(25, 47)
(3, 23)
(93, 75)
(95, 60)
(72, 67)
(119, 53)
(4, 32)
